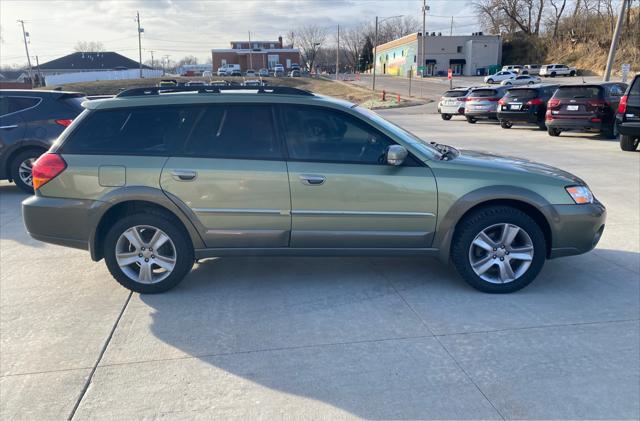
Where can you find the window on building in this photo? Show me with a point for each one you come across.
(272, 45)
(459, 48)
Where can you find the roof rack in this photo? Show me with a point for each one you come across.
(279, 90)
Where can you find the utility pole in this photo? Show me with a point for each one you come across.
(151, 51)
(338, 55)
(26, 48)
(375, 56)
(451, 29)
(250, 55)
(165, 63)
(614, 41)
(40, 81)
(424, 36)
(140, 31)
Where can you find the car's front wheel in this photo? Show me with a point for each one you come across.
(506, 124)
(148, 252)
(471, 120)
(628, 143)
(498, 249)
(445, 116)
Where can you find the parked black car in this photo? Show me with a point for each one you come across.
(527, 104)
(628, 117)
(30, 121)
(585, 107)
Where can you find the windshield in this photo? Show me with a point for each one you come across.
(406, 135)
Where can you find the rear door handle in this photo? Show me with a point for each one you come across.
(184, 175)
(13, 126)
(312, 179)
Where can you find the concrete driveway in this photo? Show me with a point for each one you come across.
(334, 338)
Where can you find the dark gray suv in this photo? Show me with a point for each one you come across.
(30, 121)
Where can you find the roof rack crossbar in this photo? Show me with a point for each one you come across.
(155, 90)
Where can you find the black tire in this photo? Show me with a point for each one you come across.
(506, 124)
(572, 73)
(471, 120)
(553, 132)
(173, 229)
(628, 143)
(610, 132)
(476, 222)
(489, 81)
(553, 74)
(14, 167)
(445, 116)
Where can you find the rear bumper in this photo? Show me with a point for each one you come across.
(574, 124)
(481, 114)
(629, 129)
(575, 229)
(526, 117)
(65, 222)
(451, 109)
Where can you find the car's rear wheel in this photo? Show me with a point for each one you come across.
(629, 143)
(498, 249)
(21, 167)
(506, 124)
(572, 73)
(553, 132)
(148, 253)
(471, 120)
(445, 116)
(553, 74)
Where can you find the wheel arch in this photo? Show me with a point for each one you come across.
(18, 149)
(127, 201)
(522, 199)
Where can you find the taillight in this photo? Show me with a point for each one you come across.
(502, 102)
(534, 101)
(553, 103)
(64, 122)
(622, 107)
(46, 168)
(463, 99)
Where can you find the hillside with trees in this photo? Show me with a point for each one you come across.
(576, 32)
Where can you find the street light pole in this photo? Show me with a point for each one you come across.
(26, 47)
(139, 42)
(614, 41)
(375, 56)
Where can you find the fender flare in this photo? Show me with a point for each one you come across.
(447, 225)
(152, 195)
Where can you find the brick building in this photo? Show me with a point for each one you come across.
(256, 55)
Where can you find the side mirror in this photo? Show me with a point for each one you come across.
(396, 155)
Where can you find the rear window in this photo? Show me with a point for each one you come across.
(132, 131)
(575, 92)
(484, 93)
(454, 94)
(522, 94)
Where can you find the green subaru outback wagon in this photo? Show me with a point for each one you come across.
(157, 178)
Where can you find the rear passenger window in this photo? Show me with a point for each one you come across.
(10, 105)
(132, 131)
(242, 131)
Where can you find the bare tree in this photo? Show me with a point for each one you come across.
(558, 9)
(290, 38)
(310, 38)
(188, 60)
(89, 47)
(353, 41)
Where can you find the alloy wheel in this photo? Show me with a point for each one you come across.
(501, 253)
(145, 254)
(25, 171)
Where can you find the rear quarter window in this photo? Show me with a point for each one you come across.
(132, 131)
(11, 104)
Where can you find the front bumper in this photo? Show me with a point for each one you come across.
(575, 229)
(65, 222)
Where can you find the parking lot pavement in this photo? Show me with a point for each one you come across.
(334, 338)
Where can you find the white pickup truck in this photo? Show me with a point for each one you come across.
(554, 70)
(229, 70)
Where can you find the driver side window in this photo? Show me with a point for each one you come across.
(317, 134)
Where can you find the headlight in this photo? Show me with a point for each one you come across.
(580, 194)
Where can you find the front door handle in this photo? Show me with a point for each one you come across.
(13, 126)
(184, 175)
(312, 179)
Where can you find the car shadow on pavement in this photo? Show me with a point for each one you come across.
(11, 226)
(356, 335)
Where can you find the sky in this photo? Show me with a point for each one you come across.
(184, 27)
